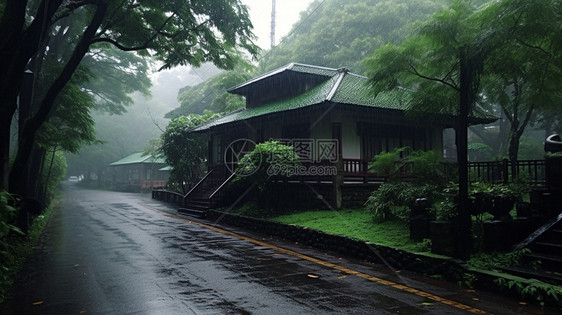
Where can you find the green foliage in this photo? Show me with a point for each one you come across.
(478, 151)
(514, 56)
(212, 95)
(355, 223)
(54, 172)
(430, 167)
(267, 159)
(342, 32)
(496, 261)
(184, 151)
(427, 64)
(494, 190)
(180, 37)
(174, 32)
(13, 257)
(71, 125)
(393, 200)
(250, 209)
(387, 164)
(530, 149)
(445, 209)
(532, 290)
(8, 213)
(424, 166)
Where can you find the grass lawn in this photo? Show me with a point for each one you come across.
(356, 223)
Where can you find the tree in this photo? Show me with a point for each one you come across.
(524, 71)
(502, 52)
(173, 32)
(212, 95)
(69, 125)
(185, 151)
(336, 33)
(441, 66)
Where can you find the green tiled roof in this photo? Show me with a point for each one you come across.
(341, 87)
(292, 67)
(136, 158)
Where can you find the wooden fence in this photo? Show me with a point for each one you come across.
(505, 171)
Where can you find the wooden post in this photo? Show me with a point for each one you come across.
(338, 178)
(505, 171)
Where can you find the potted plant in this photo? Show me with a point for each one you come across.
(496, 199)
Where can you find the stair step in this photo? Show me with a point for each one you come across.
(547, 247)
(197, 201)
(549, 262)
(192, 212)
(548, 277)
(552, 236)
(196, 207)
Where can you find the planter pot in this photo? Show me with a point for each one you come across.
(501, 208)
(480, 203)
(443, 237)
(523, 209)
(419, 227)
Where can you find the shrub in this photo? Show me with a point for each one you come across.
(268, 159)
(424, 166)
(387, 164)
(8, 213)
(393, 200)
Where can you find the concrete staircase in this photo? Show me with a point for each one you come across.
(546, 247)
(204, 195)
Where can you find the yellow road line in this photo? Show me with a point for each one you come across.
(331, 265)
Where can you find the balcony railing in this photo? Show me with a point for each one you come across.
(533, 171)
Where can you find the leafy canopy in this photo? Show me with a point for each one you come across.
(185, 151)
(337, 33)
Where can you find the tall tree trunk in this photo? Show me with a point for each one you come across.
(17, 183)
(17, 45)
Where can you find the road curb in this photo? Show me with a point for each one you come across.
(451, 269)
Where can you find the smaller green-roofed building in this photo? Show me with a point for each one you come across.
(137, 171)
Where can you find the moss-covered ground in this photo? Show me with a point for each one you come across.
(356, 223)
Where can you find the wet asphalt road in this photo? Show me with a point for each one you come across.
(117, 253)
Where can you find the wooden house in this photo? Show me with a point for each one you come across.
(331, 116)
(136, 172)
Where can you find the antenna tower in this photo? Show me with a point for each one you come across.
(272, 23)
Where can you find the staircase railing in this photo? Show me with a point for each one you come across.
(198, 184)
(217, 191)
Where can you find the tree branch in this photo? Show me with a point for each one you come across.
(415, 72)
(134, 48)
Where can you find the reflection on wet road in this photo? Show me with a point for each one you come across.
(114, 253)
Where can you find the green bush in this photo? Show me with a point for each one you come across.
(393, 200)
(424, 166)
(268, 159)
(431, 175)
(387, 164)
(8, 213)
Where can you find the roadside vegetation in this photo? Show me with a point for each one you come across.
(17, 247)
